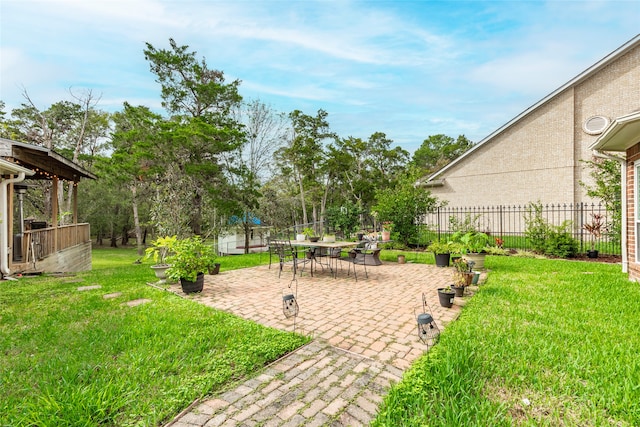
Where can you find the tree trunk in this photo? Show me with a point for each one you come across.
(61, 203)
(247, 235)
(136, 219)
(196, 215)
(323, 203)
(125, 235)
(70, 191)
(298, 178)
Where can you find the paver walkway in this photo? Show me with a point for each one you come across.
(365, 337)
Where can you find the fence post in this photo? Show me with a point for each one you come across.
(438, 217)
(501, 220)
(581, 225)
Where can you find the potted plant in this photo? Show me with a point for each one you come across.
(596, 227)
(159, 251)
(214, 267)
(310, 234)
(474, 243)
(387, 227)
(442, 252)
(329, 238)
(191, 258)
(463, 275)
(446, 296)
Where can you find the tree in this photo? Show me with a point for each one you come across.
(74, 129)
(607, 186)
(105, 204)
(364, 167)
(386, 164)
(345, 217)
(7, 129)
(265, 132)
(133, 162)
(200, 104)
(279, 202)
(303, 158)
(437, 151)
(404, 206)
(248, 166)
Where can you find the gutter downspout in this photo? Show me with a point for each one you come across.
(623, 207)
(4, 244)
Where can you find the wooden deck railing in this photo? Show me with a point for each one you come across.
(43, 242)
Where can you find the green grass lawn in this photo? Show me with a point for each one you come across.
(73, 358)
(544, 342)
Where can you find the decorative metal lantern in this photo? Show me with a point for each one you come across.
(289, 305)
(428, 330)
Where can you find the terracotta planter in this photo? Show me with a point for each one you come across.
(386, 235)
(402, 259)
(468, 278)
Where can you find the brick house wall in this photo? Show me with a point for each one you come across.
(633, 156)
(538, 157)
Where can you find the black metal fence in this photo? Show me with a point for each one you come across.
(509, 223)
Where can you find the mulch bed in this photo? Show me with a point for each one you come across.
(613, 259)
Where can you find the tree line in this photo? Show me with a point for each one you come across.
(211, 159)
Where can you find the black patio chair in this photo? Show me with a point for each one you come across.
(353, 258)
(289, 255)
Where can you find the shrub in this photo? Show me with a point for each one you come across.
(470, 223)
(537, 228)
(560, 242)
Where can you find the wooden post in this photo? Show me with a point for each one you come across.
(75, 202)
(74, 207)
(54, 211)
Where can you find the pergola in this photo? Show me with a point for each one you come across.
(20, 160)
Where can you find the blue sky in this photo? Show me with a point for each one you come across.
(409, 69)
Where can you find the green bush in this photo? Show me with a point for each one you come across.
(560, 242)
(470, 223)
(537, 228)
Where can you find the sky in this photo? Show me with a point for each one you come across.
(409, 69)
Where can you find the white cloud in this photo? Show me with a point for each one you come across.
(409, 69)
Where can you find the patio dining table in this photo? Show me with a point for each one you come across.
(316, 252)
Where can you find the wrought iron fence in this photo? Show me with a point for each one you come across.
(508, 224)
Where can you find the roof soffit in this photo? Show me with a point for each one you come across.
(7, 167)
(622, 133)
(43, 160)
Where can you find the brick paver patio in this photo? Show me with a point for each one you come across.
(365, 337)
